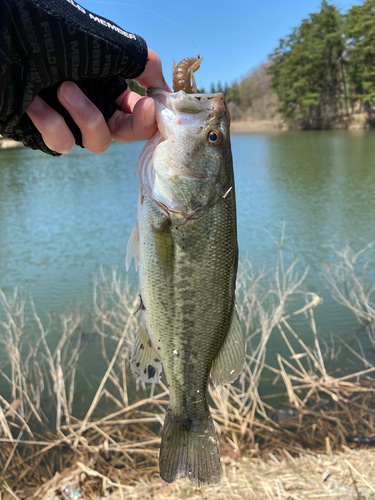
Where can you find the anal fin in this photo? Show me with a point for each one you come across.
(145, 361)
(229, 362)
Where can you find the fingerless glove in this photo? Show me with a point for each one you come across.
(46, 42)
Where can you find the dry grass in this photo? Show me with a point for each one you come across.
(113, 449)
(344, 475)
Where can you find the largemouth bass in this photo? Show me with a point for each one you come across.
(185, 243)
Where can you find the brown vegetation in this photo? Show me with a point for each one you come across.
(269, 450)
(252, 98)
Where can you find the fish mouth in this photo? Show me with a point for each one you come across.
(167, 162)
(187, 109)
(192, 111)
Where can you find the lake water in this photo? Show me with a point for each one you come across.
(61, 219)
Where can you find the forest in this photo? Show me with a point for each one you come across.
(320, 75)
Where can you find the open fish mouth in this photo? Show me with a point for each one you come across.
(188, 110)
(179, 158)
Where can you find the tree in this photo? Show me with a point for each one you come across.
(306, 66)
(254, 86)
(360, 30)
(135, 87)
(233, 94)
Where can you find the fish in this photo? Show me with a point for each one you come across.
(185, 248)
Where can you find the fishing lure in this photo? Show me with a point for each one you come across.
(183, 74)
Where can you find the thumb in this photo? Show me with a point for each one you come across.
(152, 75)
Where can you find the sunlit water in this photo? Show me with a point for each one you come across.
(61, 219)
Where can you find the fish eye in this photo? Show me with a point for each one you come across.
(214, 137)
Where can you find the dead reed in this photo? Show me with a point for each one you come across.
(47, 451)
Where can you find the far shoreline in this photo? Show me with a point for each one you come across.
(254, 126)
(358, 121)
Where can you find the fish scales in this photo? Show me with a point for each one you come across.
(187, 253)
(192, 308)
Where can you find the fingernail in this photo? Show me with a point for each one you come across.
(36, 104)
(149, 113)
(72, 94)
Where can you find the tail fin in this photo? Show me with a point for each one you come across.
(189, 448)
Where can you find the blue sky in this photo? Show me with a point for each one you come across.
(233, 36)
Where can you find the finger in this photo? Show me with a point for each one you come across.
(152, 75)
(140, 125)
(95, 133)
(127, 100)
(55, 132)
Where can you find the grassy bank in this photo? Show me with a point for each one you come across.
(298, 450)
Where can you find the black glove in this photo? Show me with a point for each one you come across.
(46, 42)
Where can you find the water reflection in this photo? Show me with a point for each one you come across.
(329, 181)
(321, 184)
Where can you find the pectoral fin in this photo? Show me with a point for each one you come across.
(165, 248)
(145, 360)
(132, 250)
(229, 362)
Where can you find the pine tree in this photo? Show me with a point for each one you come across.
(306, 70)
(135, 87)
(219, 87)
(360, 30)
(233, 94)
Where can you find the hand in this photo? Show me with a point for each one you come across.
(135, 121)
